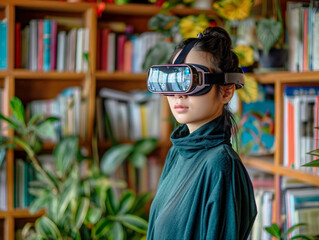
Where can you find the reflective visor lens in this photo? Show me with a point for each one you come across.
(166, 79)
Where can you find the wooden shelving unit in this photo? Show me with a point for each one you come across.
(30, 85)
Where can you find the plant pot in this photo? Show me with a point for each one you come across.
(276, 59)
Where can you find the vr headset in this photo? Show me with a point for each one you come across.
(188, 79)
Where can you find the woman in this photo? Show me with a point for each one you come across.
(204, 191)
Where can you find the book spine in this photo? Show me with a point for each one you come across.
(40, 45)
(46, 45)
(3, 45)
(53, 45)
(17, 53)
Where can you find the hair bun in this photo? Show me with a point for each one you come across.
(219, 33)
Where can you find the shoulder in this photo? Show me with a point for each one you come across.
(222, 161)
(221, 157)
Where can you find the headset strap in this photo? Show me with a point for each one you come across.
(185, 51)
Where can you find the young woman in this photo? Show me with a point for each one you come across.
(204, 191)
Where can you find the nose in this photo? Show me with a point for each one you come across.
(180, 96)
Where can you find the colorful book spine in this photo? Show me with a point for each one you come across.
(53, 45)
(40, 45)
(3, 45)
(17, 50)
(46, 45)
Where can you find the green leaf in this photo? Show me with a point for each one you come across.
(93, 215)
(126, 202)
(274, 231)
(117, 232)
(34, 119)
(39, 203)
(81, 211)
(294, 227)
(12, 123)
(163, 23)
(45, 130)
(111, 201)
(65, 153)
(68, 194)
(314, 152)
(138, 160)
(159, 54)
(314, 163)
(145, 146)
(18, 109)
(53, 208)
(141, 201)
(268, 33)
(302, 237)
(102, 227)
(114, 157)
(133, 222)
(47, 228)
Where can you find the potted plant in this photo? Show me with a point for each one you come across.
(78, 206)
(269, 32)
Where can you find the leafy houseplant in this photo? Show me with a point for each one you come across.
(78, 206)
(276, 232)
(173, 29)
(269, 29)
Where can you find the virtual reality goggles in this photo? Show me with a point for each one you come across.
(188, 79)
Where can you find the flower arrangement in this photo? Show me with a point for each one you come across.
(191, 25)
(233, 9)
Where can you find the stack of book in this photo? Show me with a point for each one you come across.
(69, 107)
(303, 35)
(300, 205)
(128, 115)
(119, 49)
(301, 116)
(43, 45)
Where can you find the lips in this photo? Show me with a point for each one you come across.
(180, 108)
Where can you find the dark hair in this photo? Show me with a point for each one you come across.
(216, 41)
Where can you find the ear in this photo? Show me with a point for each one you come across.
(227, 92)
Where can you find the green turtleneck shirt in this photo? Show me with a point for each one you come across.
(204, 191)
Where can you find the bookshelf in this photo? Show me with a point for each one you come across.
(275, 166)
(46, 85)
(40, 85)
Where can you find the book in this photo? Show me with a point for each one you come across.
(40, 44)
(53, 45)
(33, 47)
(17, 50)
(79, 50)
(47, 45)
(3, 44)
(61, 51)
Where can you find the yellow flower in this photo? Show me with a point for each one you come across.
(233, 9)
(249, 93)
(191, 25)
(245, 55)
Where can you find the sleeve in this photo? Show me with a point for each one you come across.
(230, 210)
(220, 213)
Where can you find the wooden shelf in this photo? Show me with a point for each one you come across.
(53, 5)
(20, 213)
(3, 74)
(271, 168)
(287, 77)
(26, 74)
(120, 76)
